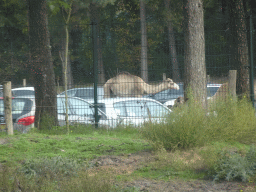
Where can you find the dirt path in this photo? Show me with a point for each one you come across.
(128, 163)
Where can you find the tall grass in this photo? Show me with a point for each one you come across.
(57, 179)
(190, 126)
(235, 121)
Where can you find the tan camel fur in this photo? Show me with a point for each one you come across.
(127, 85)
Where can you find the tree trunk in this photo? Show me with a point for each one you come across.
(95, 18)
(63, 60)
(238, 44)
(172, 45)
(41, 62)
(144, 57)
(195, 69)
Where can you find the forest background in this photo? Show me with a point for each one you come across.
(119, 32)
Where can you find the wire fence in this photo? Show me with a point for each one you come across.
(118, 52)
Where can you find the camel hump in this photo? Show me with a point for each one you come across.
(123, 72)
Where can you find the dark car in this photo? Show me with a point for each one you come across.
(171, 94)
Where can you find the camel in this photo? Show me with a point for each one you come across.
(127, 85)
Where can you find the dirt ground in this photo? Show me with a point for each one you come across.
(127, 164)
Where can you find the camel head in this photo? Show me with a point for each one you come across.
(171, 84)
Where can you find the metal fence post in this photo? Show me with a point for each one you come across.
(251, 61)
(95, 67)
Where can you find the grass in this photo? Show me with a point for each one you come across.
(86, 146)
(190, 146)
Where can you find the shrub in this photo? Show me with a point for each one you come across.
(233, 166)
(186, 128)
(56, 174)
(189, 126)
(51, 167)
(235, 121)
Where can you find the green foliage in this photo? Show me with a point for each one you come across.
(232, 166)
(235, 121)
(189, 126)
(186, 128)
(53, 179)
(51, 167)
(46, 122)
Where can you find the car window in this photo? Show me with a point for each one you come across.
(1, 106)
(119, 107)
(132, 108)
(85, 93)
(169, 94)
(61, 106)
(156, 110)
(70, 93)
(20, 106)
(75, 107)
(211, 91)
(16, 93)
(80, 107)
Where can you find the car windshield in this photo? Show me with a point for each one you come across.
(174, 94)
(20, 106)
(16, 93)
(211, 91)
(75, 107)
(157, 110)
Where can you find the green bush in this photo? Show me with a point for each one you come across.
(232, 166)
(235, 121)
(56, 174)
(51, 167)
(186, 128)
(190, 126)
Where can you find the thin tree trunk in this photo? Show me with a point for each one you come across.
(63, 60)
(239, 46)
(195, 69)
(41, 62)
(144, 49)
(172, 45)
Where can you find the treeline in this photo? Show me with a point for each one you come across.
(119, 30)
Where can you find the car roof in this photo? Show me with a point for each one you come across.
(84, 88)
(118, 99)
(24, 88)
(25, 96)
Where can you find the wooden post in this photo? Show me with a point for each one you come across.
(232, 83)
(24, 83)
(8, 106)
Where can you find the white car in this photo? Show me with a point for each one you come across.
(134, 111)
(79, 111)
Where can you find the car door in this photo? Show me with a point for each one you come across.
(157, 112)
(79, 111)
(132, 112)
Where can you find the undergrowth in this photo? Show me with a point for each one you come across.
(189, 126)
